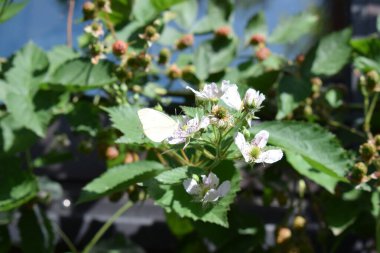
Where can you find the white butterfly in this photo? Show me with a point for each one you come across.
(157, 126)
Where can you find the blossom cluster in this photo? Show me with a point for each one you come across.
(225, 112)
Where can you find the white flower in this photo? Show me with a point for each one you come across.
(95, 29)
(228, 93)
(253, 98)
(186, 128)
(207, 190)
(254, 152)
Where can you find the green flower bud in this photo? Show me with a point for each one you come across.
(367, 151)
(164, 56)
(174, 72)
(299, 222)
(88, 10)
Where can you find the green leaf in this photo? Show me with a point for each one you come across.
(186, 13)
(85, 118)
(12, 10)
(368, 47)
(365, 65)
(58, 55)
(333, 53)
(292, 91)
(315, 144)
(178, 226)
(169, 36)
(256, 25)
(35, 231)
(17, 186)
(173, 197)
(22, 109)
(15, 138)
(80, 73)
(218, 13)
(125, 119)
(305, 169)
(22, 82)
(293, 28)
(119, 178)
(177, 175)
(353, 202)
(144, 11)
(214, 56)
(162, 5)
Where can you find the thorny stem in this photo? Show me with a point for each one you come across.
(67, 240)
(352, 130)
(369, 112)
(69, 28)
(110, 26)
(106, 226)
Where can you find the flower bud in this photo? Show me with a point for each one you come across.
(316, 84)
(131, 157)
(174, 72)
(257, 39)
(283, 234)
(119, 48)
(307, 111)
(372, 79)
(301, 188)
(246, 133)
(367, 151)
(164, 56)
(299, 222)
(185, 42)
(112, 153)
(150, 34)
(223, 32)
(358, 173)
(300, 59)
(377, 141)
(263, 53)
(137, 88)
(376, 164)
(123, 74)
(88, 10)
(253, 99)
(188, 73)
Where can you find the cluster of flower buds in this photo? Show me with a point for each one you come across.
(370, 162)
(371, 81)
(223, 32)
(91, 9)
(150, 35)
(221, 109)
(258, 41)
(185, 41)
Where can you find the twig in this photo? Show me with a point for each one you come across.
(67, 240)
(106, 226)
(69, 28)
(110, 26)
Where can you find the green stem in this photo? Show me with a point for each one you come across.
(369, 113)
(106, 226)
(67, 240)
(340, 125)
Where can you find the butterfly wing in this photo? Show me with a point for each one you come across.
(157, 126)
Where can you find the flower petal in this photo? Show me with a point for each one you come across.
(191, 186)
(211, 181)
(270, 156)
(224, 188)
(231, 97)
(197, 93)
(261, 139)
(243, 146)
(211, 196)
